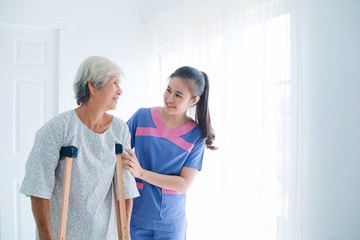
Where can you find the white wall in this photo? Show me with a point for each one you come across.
(111, 28)
(330, 62)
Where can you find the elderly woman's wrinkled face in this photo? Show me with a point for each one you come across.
(108, 95)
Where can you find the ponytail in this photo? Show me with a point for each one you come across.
(202, 115)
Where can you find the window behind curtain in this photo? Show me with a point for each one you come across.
(242, 191)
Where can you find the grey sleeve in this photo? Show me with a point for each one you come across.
(130, 188)
(40, 167)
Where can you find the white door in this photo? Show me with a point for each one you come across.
(29, 60)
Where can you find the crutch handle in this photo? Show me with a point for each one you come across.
(118, 148)
(69, 151)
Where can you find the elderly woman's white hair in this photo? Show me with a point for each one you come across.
(96, 69)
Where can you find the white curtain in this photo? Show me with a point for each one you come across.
(243, 191)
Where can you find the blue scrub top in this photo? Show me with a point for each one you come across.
(164, 151)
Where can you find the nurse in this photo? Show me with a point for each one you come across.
(168, 152)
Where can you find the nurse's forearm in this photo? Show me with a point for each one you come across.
(176, 183)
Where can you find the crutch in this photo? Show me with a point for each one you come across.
(120, 207)
(66, 153)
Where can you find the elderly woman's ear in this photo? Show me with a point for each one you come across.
(91, 87)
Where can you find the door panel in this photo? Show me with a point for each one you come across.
(29, 60)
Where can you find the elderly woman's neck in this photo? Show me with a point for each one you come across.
(94, 119)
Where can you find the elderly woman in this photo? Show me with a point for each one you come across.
(94, 132)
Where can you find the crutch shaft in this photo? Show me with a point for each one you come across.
(68, 153)
(122, 221)
(65, 198)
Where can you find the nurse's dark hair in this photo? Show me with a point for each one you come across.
(96, 69)
(199, 86)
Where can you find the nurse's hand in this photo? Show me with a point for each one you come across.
(132, 164)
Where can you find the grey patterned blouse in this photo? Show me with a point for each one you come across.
(91, 206)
